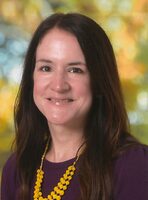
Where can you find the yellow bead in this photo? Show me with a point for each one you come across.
(38, 184)
(69, 178)
(64, 187)
(60, 185)
(70, 167)
(40, 193)
(52, 193)
(67, 172)
(58, 198)
(72, 173)
(54, 196)
(58, 191)
(62, 180)
(55, 188)
(35, 196)
(49, 197)
(61, 192)
(73, 168)
(67, 182)
(65, 176)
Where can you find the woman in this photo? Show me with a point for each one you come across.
(72, 133)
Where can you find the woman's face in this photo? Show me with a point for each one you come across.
(62, 90)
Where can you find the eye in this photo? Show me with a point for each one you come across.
(45, 68)
(75, 70)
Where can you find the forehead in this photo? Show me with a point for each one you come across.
(58, 34)
(59, 42)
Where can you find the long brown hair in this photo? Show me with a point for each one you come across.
(107, 127)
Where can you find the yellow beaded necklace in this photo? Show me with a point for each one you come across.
(62, 185)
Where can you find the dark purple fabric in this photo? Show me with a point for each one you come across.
(130, 177)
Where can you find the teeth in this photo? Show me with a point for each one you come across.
(60, 101)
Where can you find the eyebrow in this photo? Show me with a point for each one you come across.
(76, 63)
(44, 60)
(69, 64)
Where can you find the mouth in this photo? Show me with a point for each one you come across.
(60, 101)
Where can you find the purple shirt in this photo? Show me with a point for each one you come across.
(130, 177)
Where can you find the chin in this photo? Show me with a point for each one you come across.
(58, 121)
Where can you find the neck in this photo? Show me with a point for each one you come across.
(65, 144)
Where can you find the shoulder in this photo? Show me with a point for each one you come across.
(136, 154)
(11, 162)
(131, 174)
(9, 168)
(8, 178)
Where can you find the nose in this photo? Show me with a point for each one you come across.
(59, 82)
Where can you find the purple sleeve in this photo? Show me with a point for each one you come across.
(131, 175)
(8, 186)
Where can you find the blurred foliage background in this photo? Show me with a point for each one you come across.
(126, 23)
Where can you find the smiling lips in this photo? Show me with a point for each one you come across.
(60, 101)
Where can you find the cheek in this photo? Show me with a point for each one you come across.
(35, 94)
(39, 85)
(84, 89)
(37, 90)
